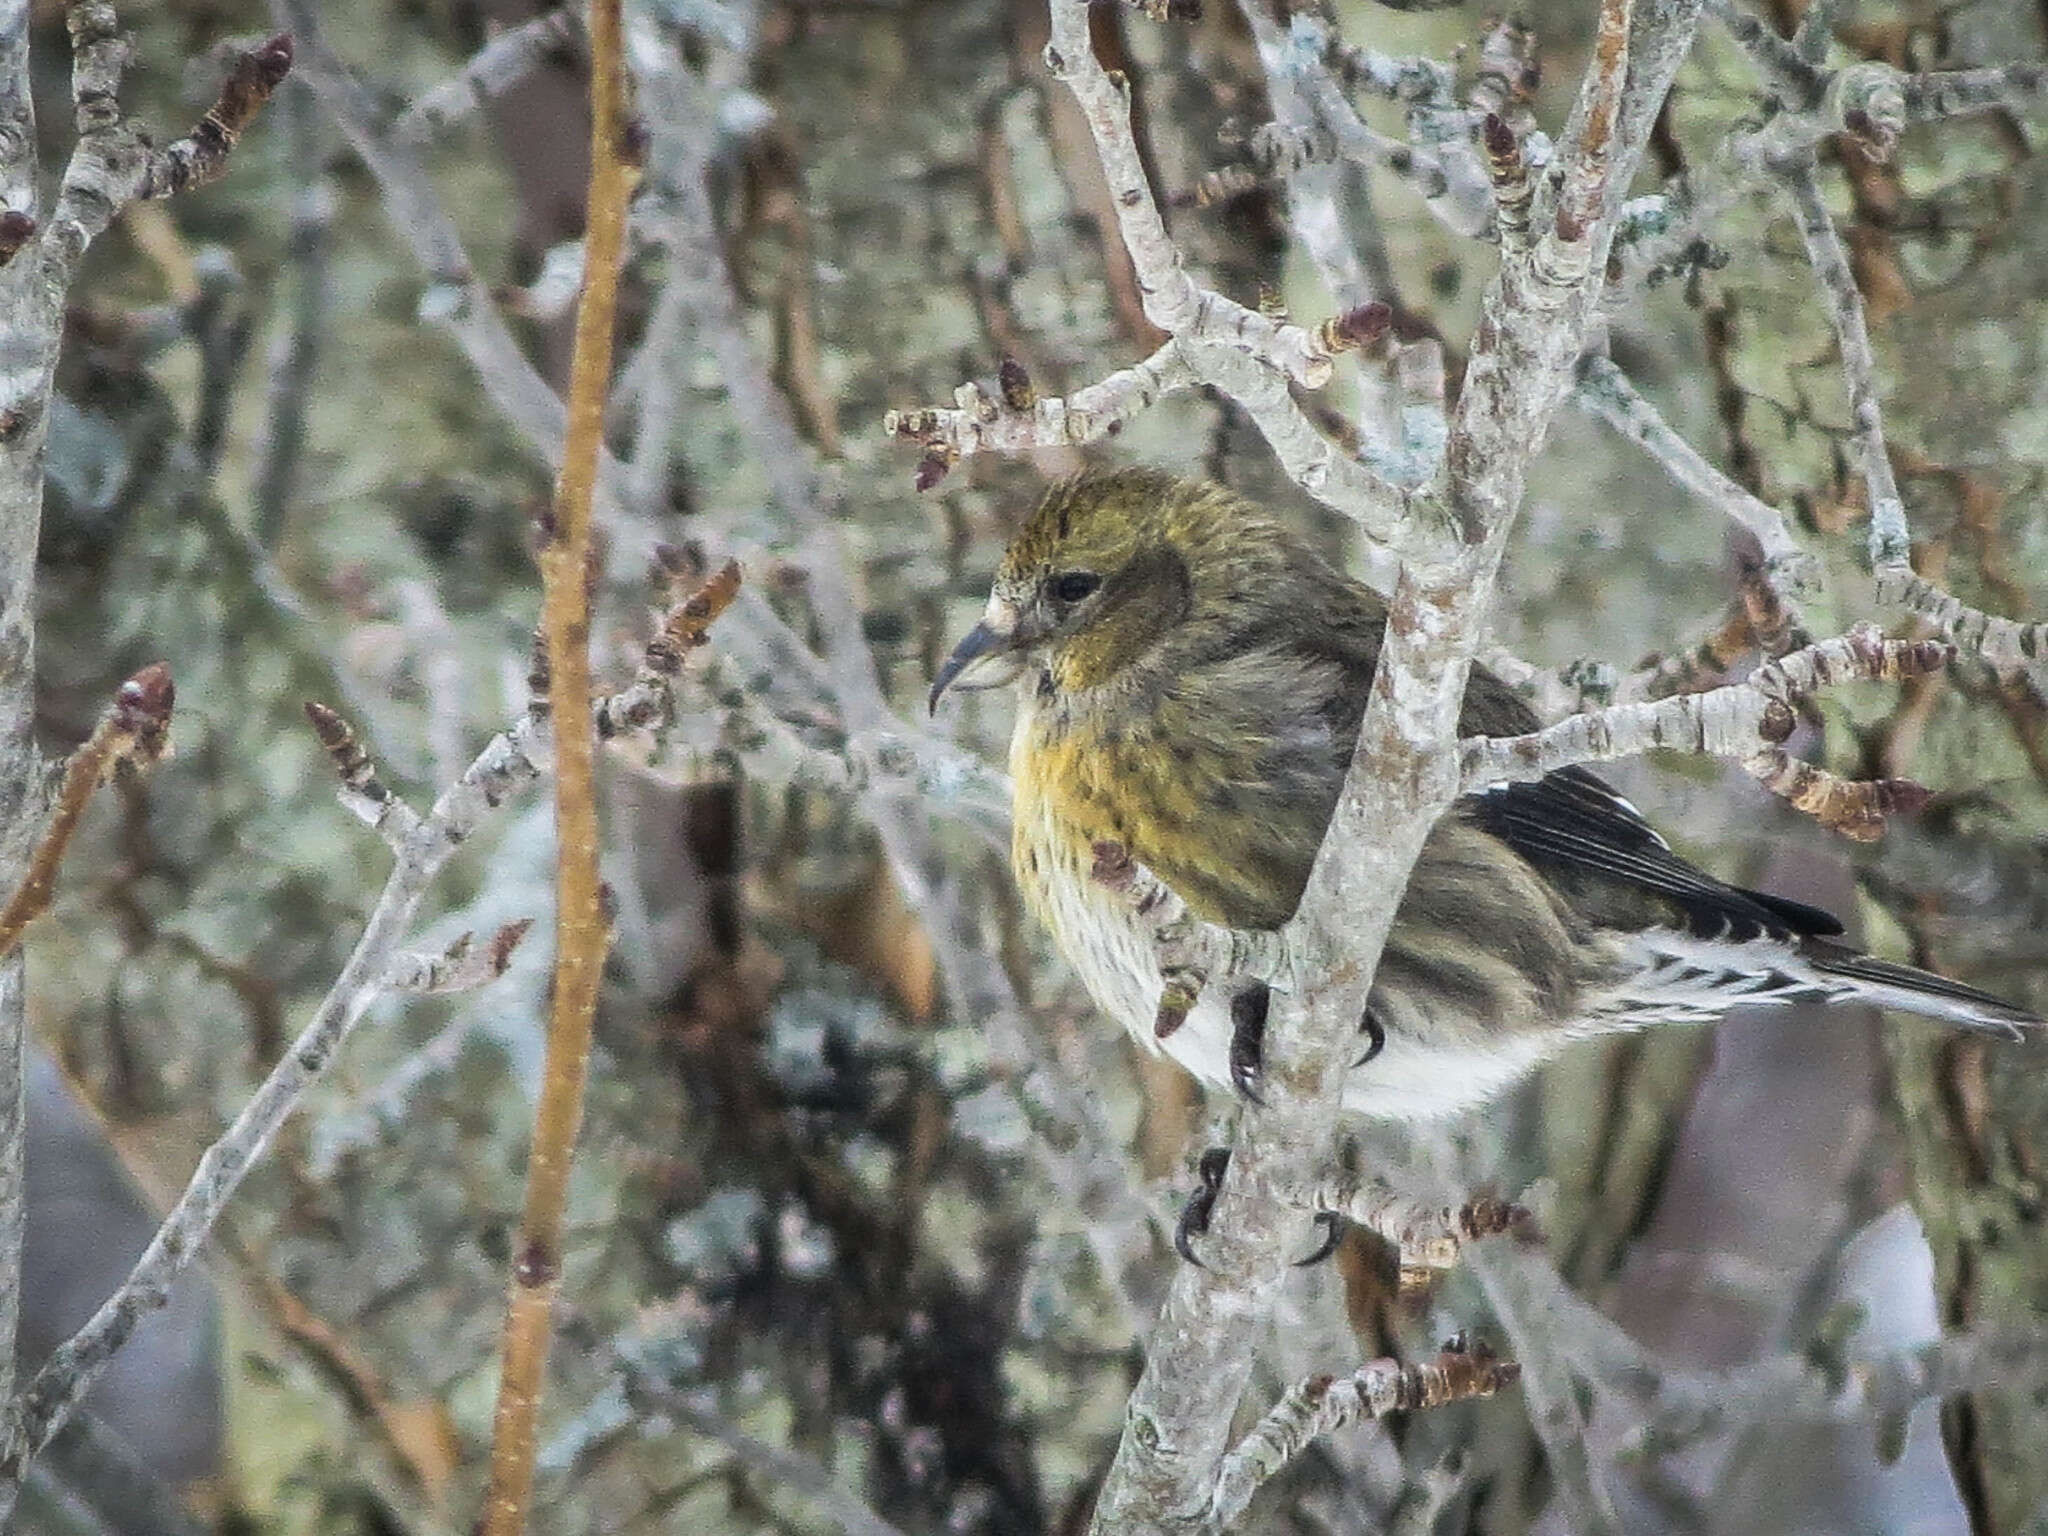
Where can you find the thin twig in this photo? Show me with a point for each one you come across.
(490, 72)
(1890, 543)
(505, 766)
(1322, 1405)
(135, 729)
(1608, 393)
(2004, 643)
(462, 967)
(582, 925)
(1746, 721)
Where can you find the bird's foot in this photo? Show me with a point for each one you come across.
(1248, 1039)
(1375, 1039)
(1248, 1011)
(1194, 1216)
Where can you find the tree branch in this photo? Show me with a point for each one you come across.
(1401, 778)
(582, 923)
(491, 71)
(1322, 1405)
(135, 729)
(1745, 721)
(1606, 392)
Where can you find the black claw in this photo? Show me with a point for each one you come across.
(1194, 1216)
(1462, 1343)
(1375, 1040)
(1248, 1039)
(1333, 1233)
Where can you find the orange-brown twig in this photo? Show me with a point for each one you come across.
(136, 729)
(582, 927)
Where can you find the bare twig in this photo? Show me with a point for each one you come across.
(491, 71)
(1606, 392)
(582, 925)
(202, 155)
(1745, 721)
(1322, 1405)
(650, 700)
(135, 729)
(504, 766)
(1890, 543)
(362, 791)
(464, 966)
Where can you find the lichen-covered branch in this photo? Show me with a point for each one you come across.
(1017, 417)
(1891, 545)
(504, 767)
(650, 699)
(1191, 952)
(462, 967)
(1608, 393)
(508, 764)
(2005, 644)
(112, 163)
(1403, 775)
(202, 155)
(1872, 102)
(1322, 1405)
(1211, 329)
(1745, 721)
(583, 927)
(491, 71)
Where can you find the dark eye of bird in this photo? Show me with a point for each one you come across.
(1072, 586)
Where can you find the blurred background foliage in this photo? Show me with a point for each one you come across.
(811, 1258)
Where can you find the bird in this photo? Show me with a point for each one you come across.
(1191, 675)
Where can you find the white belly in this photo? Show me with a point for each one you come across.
(1114, 957)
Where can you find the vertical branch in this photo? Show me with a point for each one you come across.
(13, 1139)
(17, 113)
(1890, 543)
(275, 480)
(581, 925)
(32, 332)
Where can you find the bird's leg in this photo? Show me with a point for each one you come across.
(1248, 1039)
(1194, 1216)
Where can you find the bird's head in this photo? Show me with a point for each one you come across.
(1107, 568)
